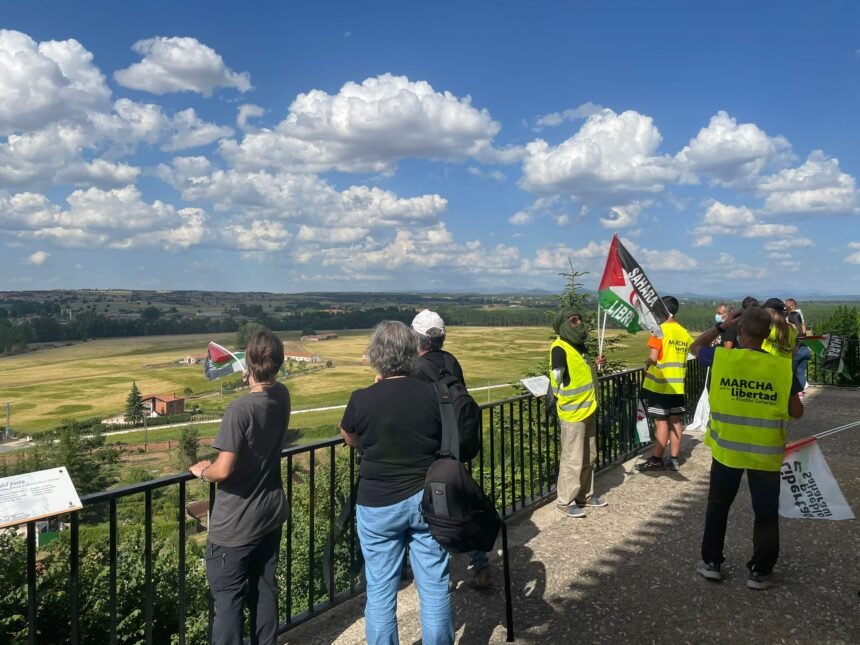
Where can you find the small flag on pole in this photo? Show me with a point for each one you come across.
(221, 362)
(643, 433)
(627, 296)
(829, 349)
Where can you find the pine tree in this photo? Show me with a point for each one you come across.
(188, 444)
(134, 405)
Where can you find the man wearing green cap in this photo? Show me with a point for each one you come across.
(572, 381)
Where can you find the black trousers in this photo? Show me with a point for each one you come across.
(237, 574)
(764, 490)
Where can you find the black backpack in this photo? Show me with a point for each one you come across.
(460, 516)
(467, 413)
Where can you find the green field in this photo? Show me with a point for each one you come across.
(92, 379)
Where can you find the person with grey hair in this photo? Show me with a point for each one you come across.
(430, 329)
(396, 424)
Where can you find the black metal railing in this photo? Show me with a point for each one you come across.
(849, 377)
(155, 556)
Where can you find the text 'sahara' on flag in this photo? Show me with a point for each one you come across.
(626, 294)
(828, 348)
(222, 362)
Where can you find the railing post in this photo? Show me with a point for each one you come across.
(182, 562)
(74, 577)
(112, 555)
(289, 590)
(331, 486)
(311, 498)
(147, 564)
(31, 583)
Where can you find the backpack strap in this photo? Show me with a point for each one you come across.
(428, 370)
(450, 430)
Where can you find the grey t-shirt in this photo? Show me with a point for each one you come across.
(251, 503)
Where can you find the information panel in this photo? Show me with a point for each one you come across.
(537, 385)
(37, 495)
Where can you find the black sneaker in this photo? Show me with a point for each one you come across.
(762, 582)
(710, 571)
(652, 464)
(674, 465)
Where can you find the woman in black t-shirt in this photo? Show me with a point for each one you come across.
(397, 426)
(245, 524)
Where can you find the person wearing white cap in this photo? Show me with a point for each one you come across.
(430, 329)
(431, 336)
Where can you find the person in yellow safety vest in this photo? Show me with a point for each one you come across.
(752, 398)
(573, 381)
(782, 339)
(663, 387)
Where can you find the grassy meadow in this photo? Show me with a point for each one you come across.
(93, 379)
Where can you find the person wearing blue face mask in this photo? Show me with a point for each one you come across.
(721, 315)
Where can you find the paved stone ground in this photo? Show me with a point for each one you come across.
(627, 572)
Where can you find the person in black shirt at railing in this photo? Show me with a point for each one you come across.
(397, 426)
(250, 506)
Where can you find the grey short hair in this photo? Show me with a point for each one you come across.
(431, 341)
(393, 349)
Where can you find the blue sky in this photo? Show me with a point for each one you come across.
(393, 146)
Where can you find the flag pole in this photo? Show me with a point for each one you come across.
(599, 335)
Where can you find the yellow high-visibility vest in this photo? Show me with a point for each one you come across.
(749, 395)
(577, 400)
(667, 376)
(771, 346)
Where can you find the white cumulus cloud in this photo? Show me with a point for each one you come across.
(305, 198)
(248, 111)
(27, 211)
(38, 258)
(369, 127)
(179, 64)
(610, 154)
(257, 235)
(817, 186)
(98, 172)
(728, 152)
(571, 114)
(189, 131)
(623, 216)
(41, 83)
(789, 243)
(726, 219)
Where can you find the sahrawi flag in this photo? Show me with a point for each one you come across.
(220, 362)
(626, 294)
(829, 349)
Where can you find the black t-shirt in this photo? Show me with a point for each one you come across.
(440, 359)
(251, 503)
(399, 433)
(730, 334)
(796, 318)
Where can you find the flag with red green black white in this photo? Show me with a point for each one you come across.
(626, 294)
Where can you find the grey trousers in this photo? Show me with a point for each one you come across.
(576, 464)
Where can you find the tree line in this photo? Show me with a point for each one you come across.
(89, 325)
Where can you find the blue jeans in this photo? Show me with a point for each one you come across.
(801, 362)
(384, 533)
